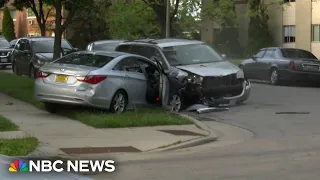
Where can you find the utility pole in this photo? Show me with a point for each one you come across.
(168, 19)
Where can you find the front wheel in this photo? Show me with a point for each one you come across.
(119, 102)
(51, 107)
(176, 103)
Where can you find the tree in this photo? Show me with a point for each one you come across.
(131, 20)
(258, 33)
(159, 7)
(223, 13)
(7, 25)
(42, 10)
(89, 24)
(71, 7)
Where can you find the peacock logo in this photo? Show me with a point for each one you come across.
(18, 166)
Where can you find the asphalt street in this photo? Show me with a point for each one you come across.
(283, 146)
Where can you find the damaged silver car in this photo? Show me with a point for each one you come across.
(206, 76)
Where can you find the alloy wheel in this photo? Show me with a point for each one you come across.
(274, 77)
(175, 103)
(119, 103)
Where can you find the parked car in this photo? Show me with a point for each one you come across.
(103, 45)
(208, 78)
(30, 53)
(5, 52)
(6, 175)
(107, 80)
(13, 42)
(277, 64)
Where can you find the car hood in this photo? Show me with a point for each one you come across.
(45, 56)
(6, 175)
(222, 68)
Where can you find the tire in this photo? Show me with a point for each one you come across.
(274, 77)
(32, 73)
(51, 107)
(119, 102)
(176, 103)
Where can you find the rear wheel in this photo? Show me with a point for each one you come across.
(119, 102)
(51, 107)
(274, 76)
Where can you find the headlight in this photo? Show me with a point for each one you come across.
(195, 79)
(240, 74)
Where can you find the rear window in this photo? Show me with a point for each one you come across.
(85, 60)
(297, 53)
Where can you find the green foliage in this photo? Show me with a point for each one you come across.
(220, 11)
(89, 24)
(226, 42)
(7, 25)
(130, 21)
(258, 33)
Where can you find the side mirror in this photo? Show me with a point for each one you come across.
(224, 56)
(12, 45)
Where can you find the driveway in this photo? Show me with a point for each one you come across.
(7, 70)
(284, 146)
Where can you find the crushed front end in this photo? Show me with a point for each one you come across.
(216, 90)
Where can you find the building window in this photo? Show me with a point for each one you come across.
(13, 14)
(289, 34)
(288, 1)
(30, 13)
(315, 32)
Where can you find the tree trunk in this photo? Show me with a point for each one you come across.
(57, 31)
(42, 29)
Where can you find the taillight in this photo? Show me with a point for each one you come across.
(94, 79)
(41, 74)
(292, 66)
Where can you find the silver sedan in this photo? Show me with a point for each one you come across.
(108, 80)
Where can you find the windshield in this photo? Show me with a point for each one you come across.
(297, 53)
(191, 54)
(105, 47)
(4, 43)
(85, 60)
(47, 46)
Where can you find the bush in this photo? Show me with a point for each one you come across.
(7, 25)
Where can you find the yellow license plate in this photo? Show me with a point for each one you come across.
(61, 78)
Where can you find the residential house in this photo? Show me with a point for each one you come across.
(294, 24)
(26, 23)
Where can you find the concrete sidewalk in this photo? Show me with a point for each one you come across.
(57, 132)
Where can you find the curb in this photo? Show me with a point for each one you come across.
(212, 136)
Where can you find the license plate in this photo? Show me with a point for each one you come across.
(61, 78)
(4, 60)
(312, 68)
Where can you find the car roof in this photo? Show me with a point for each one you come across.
(108, 41)
(39, 38)
(282, 48)
(105, 53)
(164, 42)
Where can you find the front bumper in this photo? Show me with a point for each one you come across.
(289, 75)
(208, 97)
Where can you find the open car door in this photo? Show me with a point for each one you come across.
(163, 87)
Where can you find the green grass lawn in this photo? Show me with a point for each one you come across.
(7, 125)
(22, 88)
(18, 147)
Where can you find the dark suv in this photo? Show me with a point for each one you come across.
(30, 53)
(208, 77)
(5, 52)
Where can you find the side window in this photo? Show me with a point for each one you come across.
(270, 54)
(23, 45)
(128, 64)
(123, 48)
(260, 54)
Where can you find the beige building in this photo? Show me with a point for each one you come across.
(295, 24)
